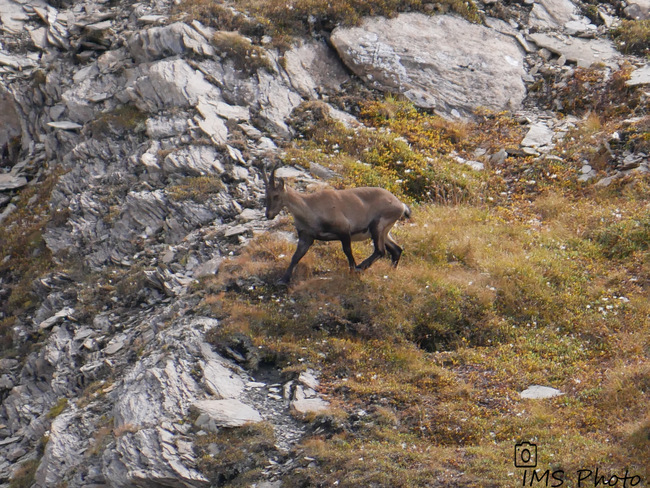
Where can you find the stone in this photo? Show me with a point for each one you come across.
(537, 392)
(65, 125)
(168, 84)
(58, 317)
(308, 379)
(16, 62)
(551, 14)
(13, 16)
(640, 76)
(224, 413)
(638, 9)
(211, 122)
(208, 268)
(170, 40)
(583, 52)
(443, 62)
(236, 230)
(539, 134)
(11, 182)
(314, 69)
(194, 160)
(309, 405)
(221, 381)
(159, 127)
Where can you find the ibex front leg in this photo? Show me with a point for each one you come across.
(304, 243)
(346, 243)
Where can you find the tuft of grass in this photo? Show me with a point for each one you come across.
(24, 255)
(236, 456)
(198, 188)
(632, 37)
(25, 474)
(401, 149)
(246, 56)
(285, 20)
(123, 119)
(58, 408)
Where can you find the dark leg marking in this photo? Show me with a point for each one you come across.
(394, 250)
(304, 243)
(346, 243)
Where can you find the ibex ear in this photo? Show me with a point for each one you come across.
(279, 185)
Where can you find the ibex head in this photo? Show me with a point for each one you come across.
(274, 192)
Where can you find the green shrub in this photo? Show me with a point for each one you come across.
(59, 407)
(622, 239)
(633, 37)
(246, 56)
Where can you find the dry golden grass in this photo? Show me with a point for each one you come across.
(486, 302)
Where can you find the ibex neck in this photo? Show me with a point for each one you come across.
(296, 204)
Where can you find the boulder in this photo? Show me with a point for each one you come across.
(640, 76)
(224, 413)
(638, 9)
(552, 14)
(169, 83)
(443, 63)
(170, 40)
(583, 52)
(313, 69)
(11, 182)
(537, 392)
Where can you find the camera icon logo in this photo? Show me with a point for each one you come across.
(525, 455)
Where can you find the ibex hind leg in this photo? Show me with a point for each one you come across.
(380, 248)
(394, 250)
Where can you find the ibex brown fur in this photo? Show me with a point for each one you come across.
(349, 215)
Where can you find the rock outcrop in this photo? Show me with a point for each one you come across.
(471, 66)
(142, 134)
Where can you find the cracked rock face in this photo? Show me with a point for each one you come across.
(130, 111)
(471, 66)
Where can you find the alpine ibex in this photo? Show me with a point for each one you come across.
(354, 214)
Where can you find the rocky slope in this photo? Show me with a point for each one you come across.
(129, 136)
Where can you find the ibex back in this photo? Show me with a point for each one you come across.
(349, 215)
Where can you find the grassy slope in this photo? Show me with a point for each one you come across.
(511, 277)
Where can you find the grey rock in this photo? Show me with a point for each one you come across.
(7, 211)
(17, 62)
(314, 69)
(194, 160)
(309, 405)
(221, 381)
(58, 317)
(640, 76)
(224, 413)
(540, 392)
(170, 40)
(308, 379)
(211, 122)
(159, 127)
(13, 16)
(208, 268)
(638, 9)
(539, 134)
(11, 182)
(552, 14)
(442, 62)
(167, 84)
(65, 125)
(583, 52)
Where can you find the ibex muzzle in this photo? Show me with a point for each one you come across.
(354, 214)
